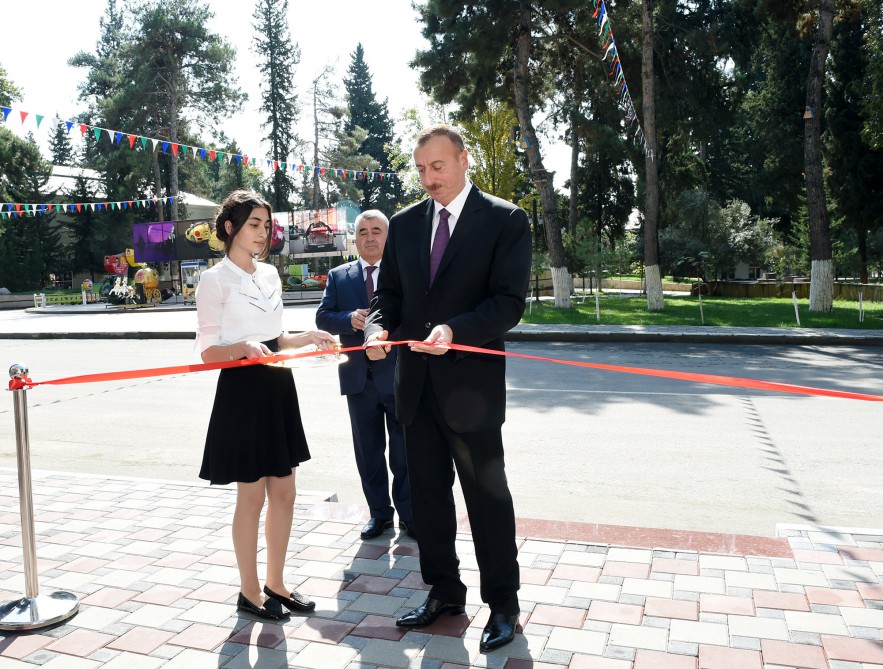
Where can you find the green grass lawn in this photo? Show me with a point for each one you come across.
(761, 312)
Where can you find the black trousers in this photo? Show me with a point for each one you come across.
(373, 416)
(433, 451)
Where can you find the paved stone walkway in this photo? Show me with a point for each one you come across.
(153, 566)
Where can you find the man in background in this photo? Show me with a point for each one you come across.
(368, 385)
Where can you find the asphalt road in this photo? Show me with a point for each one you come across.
(581, 444)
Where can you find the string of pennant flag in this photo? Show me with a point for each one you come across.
(135, 141)
(608, 41)
(19, 209)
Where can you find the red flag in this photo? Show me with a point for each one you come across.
(131, 141)
(245, 160)
(24, 115)
(211, 155)
(175, 149)
(83, 127)
(79, 207)
(275, 165)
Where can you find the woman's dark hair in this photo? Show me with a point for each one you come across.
(236, 208)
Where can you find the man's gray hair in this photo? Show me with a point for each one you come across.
(372, 215)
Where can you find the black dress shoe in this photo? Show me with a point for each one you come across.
(407, 528)
(271, 610)
(294, 602)
(499, 631)
(427, 613)
(375, 527)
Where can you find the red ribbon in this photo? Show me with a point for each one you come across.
(714, 379)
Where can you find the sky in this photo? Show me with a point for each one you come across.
(40, 36)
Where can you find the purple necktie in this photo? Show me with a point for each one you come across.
(439, 243)
(369, 282)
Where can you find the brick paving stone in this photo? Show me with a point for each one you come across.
(379, 627)
(141, 640)
(758, 628)
(569, 572)
(376, 585)
(817, 557)
(709, 603)
(862, 617)
(80, 642)
(793, 655)
(264, 635)
(648, 659)
(630, 569)
(820, 623)
(690, 631)
(637, 636)
(765, 599)
(670, 608)
(605, 591)
(325, 631)
(560, 616)
(577, 641)
(109, 597)
(20, 646)
(853, 650)
(616, 613)
(162, 595)
(716, 657)
(675, 566)
(589, 662)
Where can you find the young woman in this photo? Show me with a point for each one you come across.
(255, 434)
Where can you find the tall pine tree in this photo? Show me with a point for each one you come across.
(372, 116)
(280, 58)
(60, 145)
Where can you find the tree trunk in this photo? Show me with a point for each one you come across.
(157, 179)
(173, 137)
(821, 289)
(652, 274)
(561, 282)
(862, 246)
(574, 174)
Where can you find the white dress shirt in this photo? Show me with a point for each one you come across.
(364, 267)
(454, 207)
(233, 305)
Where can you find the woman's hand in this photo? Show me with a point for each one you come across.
(322, 340)
(252, 349)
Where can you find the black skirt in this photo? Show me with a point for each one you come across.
(255, 429)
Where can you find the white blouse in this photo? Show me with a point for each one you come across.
(233, 305)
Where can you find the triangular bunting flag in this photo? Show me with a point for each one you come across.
(132, 139)
(39, 118)
(153, 144)
(69, 124)
(143, 141)
(6, 111)
(202, 153)
(117, 136)
(165, 147)
(184, 150)
(211, 155)
(174, 149)
(97, 133)
(24, 115)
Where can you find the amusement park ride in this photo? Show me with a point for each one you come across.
(115, 286)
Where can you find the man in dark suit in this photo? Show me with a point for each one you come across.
(455, 270)
(368, 385)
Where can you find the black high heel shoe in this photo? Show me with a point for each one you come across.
(271, 610)
(295, 602)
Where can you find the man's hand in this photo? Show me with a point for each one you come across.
(374, 348)
(357, 319)
(437, 341)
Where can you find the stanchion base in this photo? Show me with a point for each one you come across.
(30, 613)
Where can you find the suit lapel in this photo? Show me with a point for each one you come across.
(354, 274)
(469, 218)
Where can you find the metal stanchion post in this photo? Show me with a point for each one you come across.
(33, 610)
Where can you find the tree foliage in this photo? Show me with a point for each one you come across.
(279, 59)
(366, 113)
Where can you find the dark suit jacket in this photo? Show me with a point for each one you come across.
(479, 291)
(344, 293)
